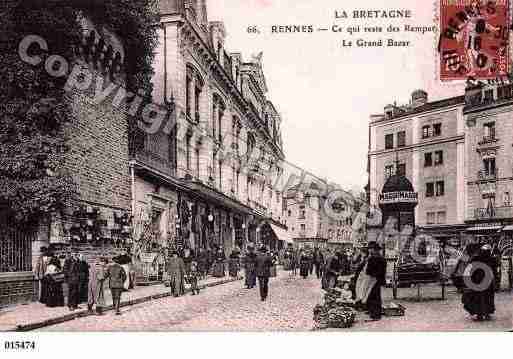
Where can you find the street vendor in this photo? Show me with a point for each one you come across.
(376, 271)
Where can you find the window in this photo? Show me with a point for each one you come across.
(303, 227)
(237, 178)
(289, 213)
(220, 175)
(197, 94)
(302, 214)
(425, 131)
(188, 83)
(430, 218)
(441, 217)
(489, 167)
(401, 169)
(507, 199)
(430, 189)
(440, 190)
(389, 171)
(439, 158)
(197, 162)
(188, 152)
(437, 129)
(489, 131)
(401, 139)
(488, 95)
(428, 159)
(389, 141)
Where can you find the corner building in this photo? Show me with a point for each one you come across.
(425, 142)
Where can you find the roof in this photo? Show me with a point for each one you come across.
(429, 106)
(397, 183)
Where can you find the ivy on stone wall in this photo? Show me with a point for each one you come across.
(33, 105)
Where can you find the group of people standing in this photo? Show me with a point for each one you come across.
(71, 280)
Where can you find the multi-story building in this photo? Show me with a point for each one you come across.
(457, 153)
(489, 152)
(211, 180)
(311, 222)
(425, 142)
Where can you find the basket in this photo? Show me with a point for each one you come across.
(393, 310)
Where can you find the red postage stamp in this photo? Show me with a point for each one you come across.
(474, 39)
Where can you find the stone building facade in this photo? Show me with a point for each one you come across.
(210, 182)
(425, 142)
(489, 171)
(311, 219)
(457, 153)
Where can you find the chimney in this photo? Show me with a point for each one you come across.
(419, 98)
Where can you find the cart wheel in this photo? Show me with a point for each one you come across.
(394, 282)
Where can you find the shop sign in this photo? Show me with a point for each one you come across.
(148, 257)
(398, 197)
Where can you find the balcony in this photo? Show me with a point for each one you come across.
(486, 176)
(480, 95)
(487, 140)
(493, 213)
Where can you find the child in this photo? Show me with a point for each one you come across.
(193, 277)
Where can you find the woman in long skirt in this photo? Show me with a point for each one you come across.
(54, 294)
(233, 264)
(304, 265)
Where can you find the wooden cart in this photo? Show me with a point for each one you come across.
(408, 272)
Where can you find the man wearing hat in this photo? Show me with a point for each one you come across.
(117, 278)
(263, 271)
(376, 269)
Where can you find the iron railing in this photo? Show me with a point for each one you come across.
(494, 213)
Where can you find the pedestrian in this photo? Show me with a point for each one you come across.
(479, 294)
(176, 271)
(39, 274)
(263, 272)
(203, 263)
(72, 279)
(83, 279)
(234, 264)
(95, 293)
(318, 261)
(304, 264)
(357, 266)
(193, 277)
(125, 260)
(376, 270)
(250, 267)
(187, 259)
(117, 277)
(53, 283)
(219, 264)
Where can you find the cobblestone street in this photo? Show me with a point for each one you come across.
(230, 307)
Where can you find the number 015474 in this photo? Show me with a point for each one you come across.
(19, 345)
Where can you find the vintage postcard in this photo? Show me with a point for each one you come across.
(255, 166)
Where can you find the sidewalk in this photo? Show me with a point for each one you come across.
(36, 315)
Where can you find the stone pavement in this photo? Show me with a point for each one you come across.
(229, 307)
(36, 315)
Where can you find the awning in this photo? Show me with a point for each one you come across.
(484, 229)
(508, 228)
(281, 233)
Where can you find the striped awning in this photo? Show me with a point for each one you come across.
(281, 233)
(484, 229)
(508, 228)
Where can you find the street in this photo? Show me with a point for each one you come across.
(230, 307)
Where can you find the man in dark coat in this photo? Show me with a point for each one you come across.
(72, 278)
(83, 278)
(263, 272)
(117, 278)
(318, 262)
(250, 267)
(376, 268)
